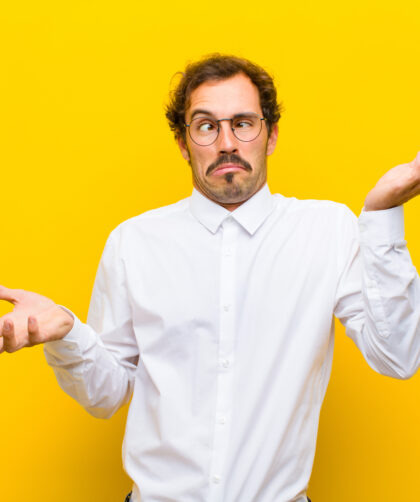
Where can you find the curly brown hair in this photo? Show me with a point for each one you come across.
(220, 67)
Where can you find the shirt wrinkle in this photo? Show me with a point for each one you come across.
(224, 338)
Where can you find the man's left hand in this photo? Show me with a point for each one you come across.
(397, 186)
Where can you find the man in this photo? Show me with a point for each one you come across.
(216, 313)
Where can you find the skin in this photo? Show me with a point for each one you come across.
(227, 172)
(397, 186)
(217, 170)
(35, 319)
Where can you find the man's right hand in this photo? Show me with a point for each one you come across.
(35, 319)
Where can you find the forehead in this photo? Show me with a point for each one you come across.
(225, 98)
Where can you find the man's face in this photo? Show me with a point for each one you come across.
(229, 171)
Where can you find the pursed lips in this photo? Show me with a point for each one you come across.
(227, 168)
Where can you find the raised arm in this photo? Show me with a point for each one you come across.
(378, 297)
(94, 362)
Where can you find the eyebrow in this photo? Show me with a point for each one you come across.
(206, 112)
(202, 112)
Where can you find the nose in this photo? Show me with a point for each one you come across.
(226, 141)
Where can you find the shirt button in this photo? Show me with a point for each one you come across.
(222, 420)
(226, 308)
(228, 252)
(216, 479)
(225, 363)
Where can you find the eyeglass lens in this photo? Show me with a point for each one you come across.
(204, 130)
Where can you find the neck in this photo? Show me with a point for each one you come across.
(233, 206)
(230, 206)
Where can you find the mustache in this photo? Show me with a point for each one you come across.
(229, 159)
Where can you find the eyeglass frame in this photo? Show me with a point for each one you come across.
(237, 115)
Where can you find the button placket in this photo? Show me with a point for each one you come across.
(221, 420)
(225, 379)
(225, 363)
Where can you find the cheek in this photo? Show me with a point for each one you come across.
(196, 164)
(255, 155)
(201, 160)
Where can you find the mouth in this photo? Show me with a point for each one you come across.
(227, 168)
(226, 163)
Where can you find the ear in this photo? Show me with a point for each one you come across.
(272, 140)
(184, 149)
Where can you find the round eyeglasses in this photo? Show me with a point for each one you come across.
(205, 130)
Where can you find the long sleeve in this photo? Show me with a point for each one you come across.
(95, 362)
(378, 296)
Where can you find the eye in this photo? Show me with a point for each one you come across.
(206, 126)
(244, 122)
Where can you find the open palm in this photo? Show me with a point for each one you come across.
(35, 319)
(397, 186)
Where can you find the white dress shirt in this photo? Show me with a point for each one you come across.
(220, 326)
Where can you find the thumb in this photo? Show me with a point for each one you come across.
(416, 162)
(8, 294)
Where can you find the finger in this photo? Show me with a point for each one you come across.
(33, 331)
(8, 294)
(1, 343)
(9, 337)
(416, 162)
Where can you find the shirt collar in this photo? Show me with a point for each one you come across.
(250, 215)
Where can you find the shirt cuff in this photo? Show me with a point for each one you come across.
(77, 340)
(382, 227)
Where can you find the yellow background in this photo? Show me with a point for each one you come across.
(84, 145)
